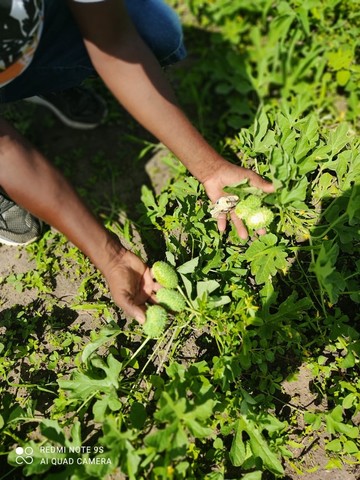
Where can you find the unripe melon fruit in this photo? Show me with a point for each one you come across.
(165, 274)
(156, 317)
(171, 299)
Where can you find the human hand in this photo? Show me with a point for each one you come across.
(229, 174)
(131, 285)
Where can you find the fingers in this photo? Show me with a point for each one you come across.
(150, 285)
(221, 222)
(259, 182)
(155, 286)
(152, 297)
(239, 225)
(134, 311)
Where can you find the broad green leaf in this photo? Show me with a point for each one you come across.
(353, 207)
(218, 301)
(180, 438)
(105, 335)
(324, 268)
(296, 194)
(198, 430)
(335, 424)
(189, 267)
(99, 409)
(266, 258)
(343, 165)
(37, 457)
(204, 410)
(138, 415)
(148, 198)
(350, 447)
(349, 400)
(348, 361)
(334, 427)
(260, 447)
(308, 137)
(206, 287)
(161, 439)
(313, 419)
(342, 77)
(52, 430)
(83, 385)
(325, 186)
(238, 451)
(288, 140)
(338, 138)
(261, 125)
(334, 445)
(120, 449)
(252, 476)
(341, 59)
(187, 284)
(291, 308)
(114, 403)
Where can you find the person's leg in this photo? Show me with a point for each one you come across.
(61, 60)
(17, 226)
(61, 63)
(160, 28)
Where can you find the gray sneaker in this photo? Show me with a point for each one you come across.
(77, 107)
(17, 226)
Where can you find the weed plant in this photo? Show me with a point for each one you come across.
(275, 87)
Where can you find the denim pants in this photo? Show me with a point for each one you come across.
(61, 60)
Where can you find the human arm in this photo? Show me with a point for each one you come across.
(35, 184)
(133, 75)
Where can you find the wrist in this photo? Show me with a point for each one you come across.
(203, 163)
(211, 169)
(109, 254)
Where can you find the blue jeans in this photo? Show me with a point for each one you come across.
(61, 60)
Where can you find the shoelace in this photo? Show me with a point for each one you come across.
(5, 205)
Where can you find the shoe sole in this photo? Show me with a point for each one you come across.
(10, 243)
(64, 119)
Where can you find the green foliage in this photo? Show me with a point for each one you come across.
(275, 86)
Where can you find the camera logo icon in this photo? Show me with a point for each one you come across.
(24, 455)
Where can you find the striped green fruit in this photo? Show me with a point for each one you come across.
(154, 325)
(171, 299)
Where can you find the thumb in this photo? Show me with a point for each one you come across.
(135, 311)
(259, 182)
